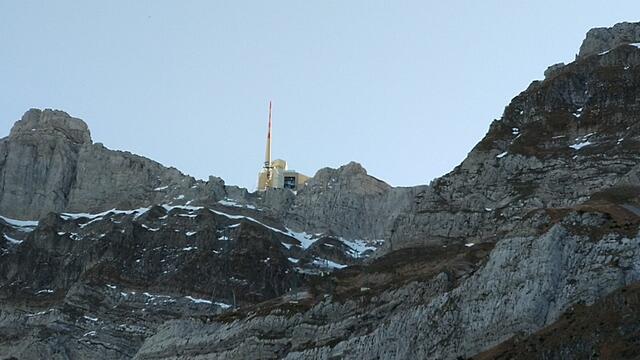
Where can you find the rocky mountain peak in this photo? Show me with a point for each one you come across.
(52, 122)
(353, 175)
(599, 40)
(353, 168)
(533, 238)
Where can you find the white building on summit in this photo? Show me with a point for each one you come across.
(275, 174)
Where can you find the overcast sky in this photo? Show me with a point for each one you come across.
(406, 88)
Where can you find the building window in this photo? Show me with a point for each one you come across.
(290, 182)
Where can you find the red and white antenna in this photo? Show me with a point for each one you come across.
(267, 159)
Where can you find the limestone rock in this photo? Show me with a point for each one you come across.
(553, 69)
(49, 163)
(50, 123)
(346, 202)
(599, 40)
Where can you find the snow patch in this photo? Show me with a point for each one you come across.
(209, 302)
(357, 248)
(222, 305)
(580, 145)
(582, 142)
(305, 239)
(325, 263)
(578, 112)
(12, 240)
(25, 226)
(100, 216)
(148, 228)
(233, 203)
(500, 156)
(40, 313)
(199, 301)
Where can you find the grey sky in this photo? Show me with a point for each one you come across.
(404, 87)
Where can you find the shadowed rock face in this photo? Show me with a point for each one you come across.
(98, 284)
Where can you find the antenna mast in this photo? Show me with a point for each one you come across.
(267, 159)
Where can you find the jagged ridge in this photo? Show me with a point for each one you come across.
(542, 214)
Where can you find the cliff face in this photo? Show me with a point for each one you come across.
(49, 163)
(39, 160)
(345, 201)
(536, 230)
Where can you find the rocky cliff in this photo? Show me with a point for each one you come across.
(510, 255)
(49, 163)
(603, 39)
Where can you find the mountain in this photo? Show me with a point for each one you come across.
(49, 163)
(528, 249)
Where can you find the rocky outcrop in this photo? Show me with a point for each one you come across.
(604, 330)
(49, 163)
(600, 40)
(52, 123)
(346, 202)
(38, 163)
